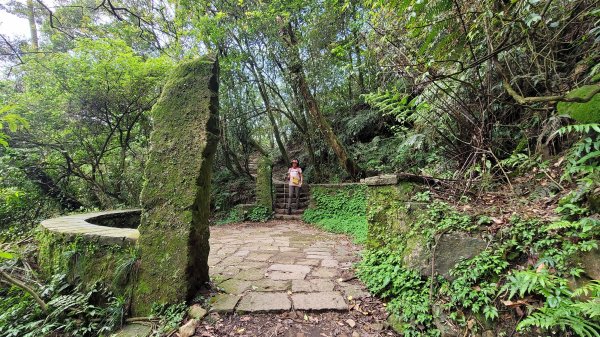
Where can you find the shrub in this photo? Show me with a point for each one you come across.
(339, 210)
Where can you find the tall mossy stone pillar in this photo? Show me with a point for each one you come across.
(264, 183)
(174, 230)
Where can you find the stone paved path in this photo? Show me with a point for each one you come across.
(280, 266)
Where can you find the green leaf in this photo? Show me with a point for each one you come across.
(6, 255)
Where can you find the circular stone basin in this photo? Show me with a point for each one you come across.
(109, 227)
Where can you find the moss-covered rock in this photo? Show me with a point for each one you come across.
(264, 183)
(584, 113)
(390, 212)
(174, 229)
(86, 261)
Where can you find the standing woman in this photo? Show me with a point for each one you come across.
(294, 174)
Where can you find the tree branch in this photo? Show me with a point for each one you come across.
(13, 281)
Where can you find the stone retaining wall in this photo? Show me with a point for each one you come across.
(83, 248)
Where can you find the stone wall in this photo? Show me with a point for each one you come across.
(394, 221)
(174, 231)
(86, 252)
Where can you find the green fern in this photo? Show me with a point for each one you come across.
(584, 156)
(562, 308)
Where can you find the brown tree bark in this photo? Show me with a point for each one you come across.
(320, 121)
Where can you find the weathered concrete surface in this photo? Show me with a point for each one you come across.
(174, 231)
(100, 249)
(266, 266)
(263, 302)
(331, 300)
(381, 180)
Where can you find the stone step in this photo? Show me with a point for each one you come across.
(284, 211)
(288, 217)
(301, 202)
(282, 204)
(285, 195)
(282, 188)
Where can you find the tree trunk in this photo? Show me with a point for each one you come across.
(313, 108)
(32, 26)
(264, 94)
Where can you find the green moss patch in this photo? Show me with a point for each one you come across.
(583, 113)
(339, 210)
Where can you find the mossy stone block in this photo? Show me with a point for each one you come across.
(175, 201)
(84, 261)
(389, 212)
(264, 184)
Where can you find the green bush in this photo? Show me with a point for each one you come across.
(259, 214)
(339, 210)
(405, 290)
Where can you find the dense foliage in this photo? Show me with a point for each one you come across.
(339, 210)
(529, 264)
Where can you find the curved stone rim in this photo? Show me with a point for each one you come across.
(80, 225)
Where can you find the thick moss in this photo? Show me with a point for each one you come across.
(390, 215)
(174, 230)
(86, 261)
(584, 113)
(264, 184)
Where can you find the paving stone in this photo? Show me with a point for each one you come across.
(324, 272)
(224, 302)
(307, 262)
(270, 285)
(287, 272)
(234, 286)
(256, 256)
(330, 300)
(312, 285)
(313, 256)
(253, 264)
(242, 253)
(353, 290)
(133, 330)
(274, 260)
(329, 263)
(288, 249)
(232, 260)
(263, 302)
(252, 274)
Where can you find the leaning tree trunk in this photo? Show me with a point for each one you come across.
(264, 94)
(32, 26)
(313, 108)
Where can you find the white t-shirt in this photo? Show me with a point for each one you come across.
(295, 176)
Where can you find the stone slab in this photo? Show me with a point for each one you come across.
(175, 198)
(324, 272)
(264, 302)
(270, 285)
(224, 302)
(251, 274)
(234, 286)
(314, 285)
(133, 330)
(330, 300)
(287, 272)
